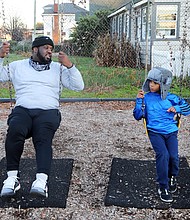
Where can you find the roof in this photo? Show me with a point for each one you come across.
(112, 4)
(96, 7)
(122, 7)
(65, 8)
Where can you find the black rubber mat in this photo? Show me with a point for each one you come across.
(58, 184)
(132, 183)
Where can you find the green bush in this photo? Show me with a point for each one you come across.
(19, 47)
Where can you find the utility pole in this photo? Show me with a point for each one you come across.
(34, 35)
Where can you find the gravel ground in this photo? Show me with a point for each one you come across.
(92, 133)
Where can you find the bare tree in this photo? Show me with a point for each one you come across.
(16, 28)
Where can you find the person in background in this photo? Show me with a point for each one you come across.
(37, 83)
(159, 107)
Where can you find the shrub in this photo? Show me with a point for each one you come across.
(111, 52)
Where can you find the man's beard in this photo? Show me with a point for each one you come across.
(42, 59)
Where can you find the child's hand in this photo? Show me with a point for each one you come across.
(171, 109)
(140, 94)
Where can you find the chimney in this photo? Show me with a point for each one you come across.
(56, 22)
(55, 8)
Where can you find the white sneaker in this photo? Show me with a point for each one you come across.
(10, 187)
(39, 188)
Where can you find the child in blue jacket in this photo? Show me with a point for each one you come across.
(159, 107)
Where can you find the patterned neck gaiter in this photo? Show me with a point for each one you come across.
(37, 66)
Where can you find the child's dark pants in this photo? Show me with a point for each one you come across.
(167, 158)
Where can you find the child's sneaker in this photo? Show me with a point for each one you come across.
(10, 186)
(172, 184)
(165, 195)
(39, 188)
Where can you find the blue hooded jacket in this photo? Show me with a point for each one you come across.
(155, 112)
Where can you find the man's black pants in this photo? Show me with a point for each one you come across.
(39, 124)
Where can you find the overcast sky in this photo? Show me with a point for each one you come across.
(25, 10)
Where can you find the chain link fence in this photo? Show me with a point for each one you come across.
(124, 37)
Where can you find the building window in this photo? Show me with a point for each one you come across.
(166, 21)
(126, 25)
(119, 27)
(142, 23)
(138, 25)
(145, 22)
(114, 26)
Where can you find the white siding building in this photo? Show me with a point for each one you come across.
(161, 27)
(60, 19)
